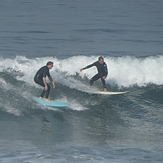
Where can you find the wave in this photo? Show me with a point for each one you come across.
(134, 110)
(16, 79)
(124, 71)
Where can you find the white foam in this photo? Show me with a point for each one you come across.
(74, 105)
(10, 109)
(123, 71)
(128, 71)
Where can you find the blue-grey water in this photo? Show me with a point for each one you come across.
(95, 128)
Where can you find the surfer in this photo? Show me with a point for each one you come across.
(102, 71)
(40, 78)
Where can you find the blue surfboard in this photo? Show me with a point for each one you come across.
(52, 103)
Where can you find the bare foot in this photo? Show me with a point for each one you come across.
(105, 90)
(47, 100)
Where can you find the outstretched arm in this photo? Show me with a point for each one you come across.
(91, 65)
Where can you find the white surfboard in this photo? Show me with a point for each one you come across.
(108, 93)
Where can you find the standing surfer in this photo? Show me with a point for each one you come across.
(102, 71)
(40, 78)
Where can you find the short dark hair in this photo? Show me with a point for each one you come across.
(100, 58)
(49, 63)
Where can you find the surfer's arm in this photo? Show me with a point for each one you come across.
(50, 78)
(106, 71)
(91, 65)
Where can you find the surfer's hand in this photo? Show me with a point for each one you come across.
(81, 70)
(104, 77)
(53, 84)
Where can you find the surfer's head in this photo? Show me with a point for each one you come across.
(101, 60)
(49, 64)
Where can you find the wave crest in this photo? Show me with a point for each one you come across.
(124, 71)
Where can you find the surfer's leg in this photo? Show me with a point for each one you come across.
(41, 83)
(94, 78)
(104, 84)
(43, 93)
(47, 92)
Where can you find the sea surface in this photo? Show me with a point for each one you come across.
(95, 128)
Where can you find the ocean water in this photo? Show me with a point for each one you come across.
(124, 128)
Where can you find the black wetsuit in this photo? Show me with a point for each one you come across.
(42, 72)
(102, 71)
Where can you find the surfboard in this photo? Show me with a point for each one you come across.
(53, 103)
(108, 93)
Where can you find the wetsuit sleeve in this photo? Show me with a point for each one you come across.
(91, 65)
(46, 72)
(106, 69)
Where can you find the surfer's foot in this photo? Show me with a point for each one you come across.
(105, 90)
(48, 100)
(40, 97)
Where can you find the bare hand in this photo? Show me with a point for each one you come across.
(81, 70)
(104, 77)
(53, 84)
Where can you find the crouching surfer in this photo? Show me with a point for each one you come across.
(102, 71)
(40, 78)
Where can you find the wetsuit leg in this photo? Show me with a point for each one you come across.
(103, 82)
(40, 82)
(94, 78)
(47, 92)
(43, 93)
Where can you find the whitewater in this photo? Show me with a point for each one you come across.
(125, 71)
